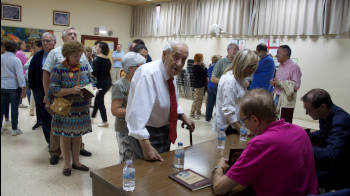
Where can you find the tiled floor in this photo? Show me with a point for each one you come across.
(25, 168)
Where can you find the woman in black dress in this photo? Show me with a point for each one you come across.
(101, 70)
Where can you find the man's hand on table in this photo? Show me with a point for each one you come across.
(149, 153)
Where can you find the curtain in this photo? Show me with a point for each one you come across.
(232, 15)
(177, 18)
(143, 21)
(337, 17)
(288, 17)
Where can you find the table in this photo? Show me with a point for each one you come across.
(152, 177)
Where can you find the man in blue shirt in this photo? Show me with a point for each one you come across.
(117, 63)
(264, 72)
(331, 142)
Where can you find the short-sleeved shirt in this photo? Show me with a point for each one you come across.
(120, 90)
(279, 161)
(55, 58)
(116, 54)
(288, 71)
(220, 67)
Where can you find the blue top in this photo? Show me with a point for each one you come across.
(263, 74)
(12, 76)
(210, 70)
(117, 54)
(333, 151)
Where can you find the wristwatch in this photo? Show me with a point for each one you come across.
(216, 167)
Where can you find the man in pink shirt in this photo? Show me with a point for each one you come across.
(287, 70)
(278, 161)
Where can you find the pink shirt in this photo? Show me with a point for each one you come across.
(20, 54)
(289, 71)
(279, 161)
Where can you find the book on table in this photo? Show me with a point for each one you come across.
(191, 179)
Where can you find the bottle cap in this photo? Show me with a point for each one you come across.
(179, 144)
(129, 161)
(222, 129)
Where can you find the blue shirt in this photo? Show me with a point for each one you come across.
(116, 54)
(333, 151)
(44, 58)
(263, 74)
(12, 76)
(210, 70)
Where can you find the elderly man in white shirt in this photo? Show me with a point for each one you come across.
(53, 58)
(152, 109)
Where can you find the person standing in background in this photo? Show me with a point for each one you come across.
(212, 89)
(286, 83)
(22, 57)
(264, 72)
(12, 84)
(88, 54)
(101, 70)
(35, 80)
(199, 72)
(117, 63)
(223, 63)
(37, 46)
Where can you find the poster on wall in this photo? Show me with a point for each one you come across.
(16, 34)
(241, 43)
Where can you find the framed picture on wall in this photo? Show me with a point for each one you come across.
(11, 12)
(61, 18)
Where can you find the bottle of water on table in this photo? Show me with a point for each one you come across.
(221, 139)
(243, 136)
(128, 176)
(179, 156)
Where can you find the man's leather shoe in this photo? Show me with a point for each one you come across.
(85, 153)
(54, 159)
(67, 171)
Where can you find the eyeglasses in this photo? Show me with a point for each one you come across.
(46, 41)
(242, 120)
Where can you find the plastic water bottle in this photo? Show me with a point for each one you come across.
(179, 156)
(128, 176)
(221, 139)
(243, 134)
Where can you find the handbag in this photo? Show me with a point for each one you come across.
(62, 106)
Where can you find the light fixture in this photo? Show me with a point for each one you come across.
(148, 0)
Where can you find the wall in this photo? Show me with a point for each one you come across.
(84, 15)
(325, 63)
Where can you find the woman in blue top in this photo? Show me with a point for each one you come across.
(212, 89)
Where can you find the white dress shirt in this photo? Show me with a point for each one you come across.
(229, 92)
(55, 57)
(149, 101)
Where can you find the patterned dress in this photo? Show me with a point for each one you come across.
(78, 122)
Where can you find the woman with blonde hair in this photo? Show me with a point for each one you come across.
(231, 89)
(67, 79)
(200, 78)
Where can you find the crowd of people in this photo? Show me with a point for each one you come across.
(244, 87)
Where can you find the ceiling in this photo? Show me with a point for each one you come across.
(135, 2)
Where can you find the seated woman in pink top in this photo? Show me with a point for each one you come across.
(277, 161)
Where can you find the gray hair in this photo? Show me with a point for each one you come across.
(48, 34)
(170, 45)
(64, 32)
(231, 45)
(132, 59)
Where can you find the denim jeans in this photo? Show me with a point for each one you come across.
(210, 104)
(10, 96)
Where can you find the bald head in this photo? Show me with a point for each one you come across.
(174, 57)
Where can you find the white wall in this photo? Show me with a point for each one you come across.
(84, 15)
(325, 63)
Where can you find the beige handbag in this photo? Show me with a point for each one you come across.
(60, 105)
